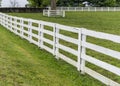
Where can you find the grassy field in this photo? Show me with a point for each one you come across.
(24, 64)
(28, 67)
(100, 21)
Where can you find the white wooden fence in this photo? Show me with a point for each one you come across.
(47, 35)
(89, 8)
(54, 13)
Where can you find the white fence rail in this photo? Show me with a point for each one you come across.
(48, 36)
(89, 8)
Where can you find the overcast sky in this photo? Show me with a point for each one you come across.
(21, 3)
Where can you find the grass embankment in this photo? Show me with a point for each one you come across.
(100, 21)
(24, 64)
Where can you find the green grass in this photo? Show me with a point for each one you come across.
(108, 22)
(24, 64)
(100, 21)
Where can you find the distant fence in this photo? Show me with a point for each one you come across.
(22, 10)
(53, 13)
(50, 36)
(89, 8)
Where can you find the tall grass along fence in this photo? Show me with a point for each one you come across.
(67, 43)
(89, 8)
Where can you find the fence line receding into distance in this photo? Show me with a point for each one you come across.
(60, 40)
(88, 8)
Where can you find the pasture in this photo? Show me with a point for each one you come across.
(24, 64)
(99, 21)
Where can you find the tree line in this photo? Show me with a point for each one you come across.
(71, 3)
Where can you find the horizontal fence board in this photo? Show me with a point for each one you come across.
(48, 49)
(102, 64)
(48, 41)
(67, 28)
(70, 50)
(48, 24)
(35, 35)
(101, 78)
(17, 23)
(25, 25)
(24, 31)
(34, 42)
(25, 37)
(101, 35)
(17, 28)
(67, 59)
(26, 20)
(68, 39)
(106, 51)
(35, 21)
(48, 32)
(34, 28)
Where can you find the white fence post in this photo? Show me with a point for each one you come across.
(83, 52)
(48, 13)
(3, 18)
(11, 24)
(30, 30)
(54, 39)
(21, 27)
(68, 9)
(79, 50)
(41, 35)
(82, 9)
(43, 12)
(56, 43)
(101, 8)
(114, 8)
(15, 25)
(63, 14)
(95, 9)
(108, 9)
(88, 8)
(6, 22)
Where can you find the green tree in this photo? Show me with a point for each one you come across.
(110, 3)
(35, 3)
(69, 3)
(39, 3)
(118, 3)
(45, 3)
(102, 3)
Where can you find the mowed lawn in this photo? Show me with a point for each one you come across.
(100, 21)
(24, 64)
(28, 65)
